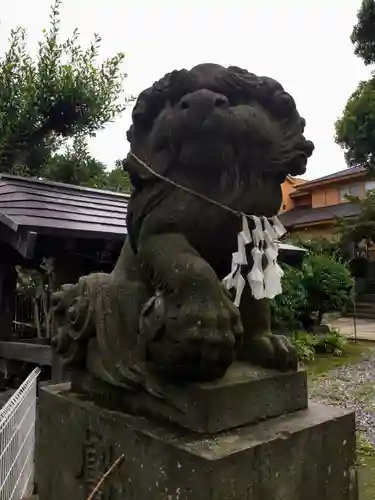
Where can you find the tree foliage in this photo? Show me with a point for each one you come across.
(362, 226)
(64, 93)
(117, 179)
(76, 166)
(363, 34)
(355, 129)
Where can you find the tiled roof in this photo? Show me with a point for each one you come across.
(51, 207)
(305, 215)
(57, 208)
(336, 175)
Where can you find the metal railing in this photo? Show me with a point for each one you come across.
(17, 440)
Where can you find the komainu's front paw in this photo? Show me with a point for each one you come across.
(194, 339)
(271, 351)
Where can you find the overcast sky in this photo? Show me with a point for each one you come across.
(302, 43)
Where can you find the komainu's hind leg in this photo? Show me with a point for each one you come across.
(97, 322)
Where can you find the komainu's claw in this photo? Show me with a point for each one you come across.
(272, 351)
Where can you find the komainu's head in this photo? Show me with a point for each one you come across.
(216, 121)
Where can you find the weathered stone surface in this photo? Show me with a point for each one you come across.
(245, 395)
(231, 138)
(304, 456)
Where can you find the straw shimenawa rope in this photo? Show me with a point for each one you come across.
(184, 188)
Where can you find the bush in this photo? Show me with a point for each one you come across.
(323, 284)
(308, 345)
(305, 345)
(316, 245)
(328, 283)
(288, 307)
(331, 343)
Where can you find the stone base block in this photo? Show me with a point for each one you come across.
(245, 395)
(303, 456)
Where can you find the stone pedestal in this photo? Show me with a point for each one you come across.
(301, 455)
(245, 395)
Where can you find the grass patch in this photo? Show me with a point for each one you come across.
(323, 363)
(365, 394)
(366, 469)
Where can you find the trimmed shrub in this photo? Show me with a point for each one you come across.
(328, 283)
(324, 284)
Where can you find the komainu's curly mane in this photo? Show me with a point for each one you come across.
(290, 148)
(224, 132)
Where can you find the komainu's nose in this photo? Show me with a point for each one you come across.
(204, 101)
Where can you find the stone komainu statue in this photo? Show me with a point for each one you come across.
(233, 137)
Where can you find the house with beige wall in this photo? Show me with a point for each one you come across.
(289, 187)
(312, 208)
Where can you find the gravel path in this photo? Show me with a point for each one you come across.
(352, 387)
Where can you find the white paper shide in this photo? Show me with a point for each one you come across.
(264, 283)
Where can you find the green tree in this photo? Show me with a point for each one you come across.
(64, 93)
(355, 129)
(362, 226)
(76, 166)
(363, 34)
(118, 179)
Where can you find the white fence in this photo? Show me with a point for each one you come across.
(17, 439)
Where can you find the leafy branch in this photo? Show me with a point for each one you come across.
(65, 93)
